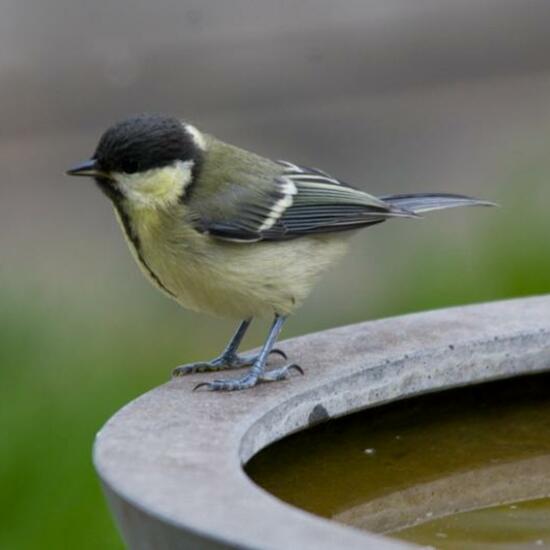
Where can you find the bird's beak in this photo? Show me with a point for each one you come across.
(88, 168)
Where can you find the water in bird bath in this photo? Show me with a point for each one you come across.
(520, 525)
(465, 468)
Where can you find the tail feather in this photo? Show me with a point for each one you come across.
(425, 202)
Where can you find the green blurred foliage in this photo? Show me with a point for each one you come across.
(67, 363)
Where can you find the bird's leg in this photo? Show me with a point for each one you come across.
(229, 359)
(257, 372)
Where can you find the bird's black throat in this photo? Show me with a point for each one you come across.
(118, 201)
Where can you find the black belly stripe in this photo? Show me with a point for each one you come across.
(129, 231)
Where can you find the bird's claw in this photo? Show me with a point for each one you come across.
(250, 379)
(193, 368)
(281, 373)
(224, 362)
(280, 352)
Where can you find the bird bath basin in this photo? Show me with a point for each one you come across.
(171, 462)
(463, 468)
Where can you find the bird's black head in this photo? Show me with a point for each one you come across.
(141, 144)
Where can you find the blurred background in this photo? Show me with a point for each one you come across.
(390, 95)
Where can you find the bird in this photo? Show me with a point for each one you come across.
(224, 231)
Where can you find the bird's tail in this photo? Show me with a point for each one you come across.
(425, 202)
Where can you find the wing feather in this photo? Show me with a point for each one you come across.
(299, 201)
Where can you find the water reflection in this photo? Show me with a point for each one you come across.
(428, 458)
(511, 526)
(512, 482)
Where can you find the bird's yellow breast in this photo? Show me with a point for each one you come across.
(235, 280)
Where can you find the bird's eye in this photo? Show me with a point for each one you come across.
(131, 167)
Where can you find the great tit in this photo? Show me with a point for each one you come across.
(224, 231)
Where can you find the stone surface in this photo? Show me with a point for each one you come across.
(171, 461)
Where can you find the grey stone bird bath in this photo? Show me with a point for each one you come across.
(171, 461)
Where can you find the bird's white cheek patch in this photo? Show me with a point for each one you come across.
(157, 187)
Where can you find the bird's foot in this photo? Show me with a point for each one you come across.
(250, 379)
(226, 361)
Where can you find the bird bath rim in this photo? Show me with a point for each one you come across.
(171, 461)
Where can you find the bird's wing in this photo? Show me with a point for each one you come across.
(299, 201)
